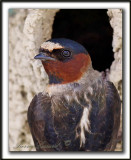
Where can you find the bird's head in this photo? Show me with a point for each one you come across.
(64, 60)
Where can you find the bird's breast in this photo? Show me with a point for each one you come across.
(71, 117)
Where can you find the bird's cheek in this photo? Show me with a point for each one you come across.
(68, 71)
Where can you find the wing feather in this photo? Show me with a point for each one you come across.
(36, 117)
(104, 119)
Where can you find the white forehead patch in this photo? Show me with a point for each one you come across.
(51, 45)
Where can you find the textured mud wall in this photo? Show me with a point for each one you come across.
(27, 30)
(116, 68)
(115, 76)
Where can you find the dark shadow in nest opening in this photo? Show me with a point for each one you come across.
(92, 29)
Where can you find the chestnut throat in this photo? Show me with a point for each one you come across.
(67, 72)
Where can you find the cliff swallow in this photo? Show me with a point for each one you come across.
(79, 110)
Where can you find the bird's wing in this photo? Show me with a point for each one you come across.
(104, 118)
(40, 121)
(113, 102)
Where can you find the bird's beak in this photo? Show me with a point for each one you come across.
(44, 56)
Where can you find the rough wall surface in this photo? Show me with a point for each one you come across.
(115, 76)
(27, 30)
(116, 67)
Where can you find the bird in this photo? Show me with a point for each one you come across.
(79, 110)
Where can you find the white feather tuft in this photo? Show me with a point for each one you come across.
(84, 125)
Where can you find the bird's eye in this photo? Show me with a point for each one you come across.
(66, 53)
